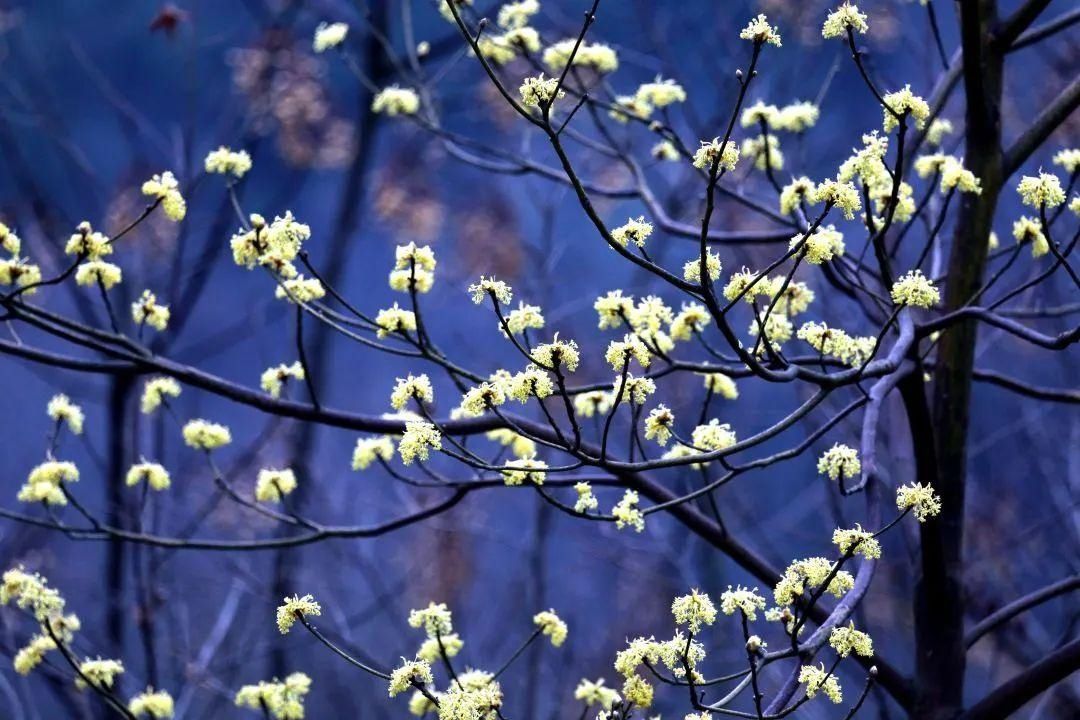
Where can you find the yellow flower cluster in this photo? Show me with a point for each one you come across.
(658, 424)
(1068, 159)
(586, 501)
(491, 287)
(635, 231)
(87, 243)
(693, 610)
(858, 541)
(746, 601)
(713, 436)
(551, 625)
(32, 654)
(904, 102)
(594, 693)
(31, 591)
(98, 672)
(395, 320)
(367, 450)
(720, 384)
(203, 435)
(43, 483)
(921, 499)
(760, 32)
(416, 387)
(153, 703)
(713, 266)
(795, 192)
(841, 19)
(842, 195)
(147, 310)
(811, 572)
(273, 379)
(273, 245)
(283, 699)
(913, 288)
(224, 161)
(414, 268)
(839, 461)
(164, 187)
(834, 342)
(539, 91)
(847, 640)
(418, 440)
(597, 56)
(98, 272)
(765, 154)
(1041, 192)
(395, 100)
(517, 14)
(329, 35)
(821, 245)
(292, 608)
(558, 353)
(272, 485)
(525, 317)
(817, 679)
(627, 514)
(714, 155)
(155, 475)
(522, 470)
(1028, 229)
(62, 410)
(155, 391)
(409, 673)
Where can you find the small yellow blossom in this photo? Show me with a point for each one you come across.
(714, 155)
(521, 470)
(157, 704)
(857, 540)
(87, 243)
(155, 392)
(98, 272)
(203, 435)
(551, 625)
(746, 601)
(224, 161)
(62, 410)
(490, 287)
(408, 674)
(1041, 192)
(292, 608)
(367, 450)
(329, 35)
(905, 102)
(418, 440)
(694, 610)
(658, 424)
(921, 499)
(841, 19)
(846, 640)
(594, 693)
(273, 379)
(760, 32)
(1028, 229)
(164, 187)
(839, 461)
(394, 100)
(913, 288)
(100, 673)
(586, 501)
(627, 514)
(147, 310)
(817, 680)
(635, 231)
(273, 485)
(155, 475)
(539, 91)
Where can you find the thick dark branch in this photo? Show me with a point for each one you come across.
(1008, 612)
(1011, 27)
(1052, 116)
(1011, 696)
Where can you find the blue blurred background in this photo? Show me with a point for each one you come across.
(97, 95)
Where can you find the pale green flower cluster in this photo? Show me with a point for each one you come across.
(293, 608)
(915, 289)
(166, 189)
(203, 435)
(747, 601)
(62, 410)
(549, 624)
(148, 311)
(225, 161)
(839, 461)
(283, 699)
(273, 485)
(817, 679)
(329, 35)
(693, 611)
(395, 100)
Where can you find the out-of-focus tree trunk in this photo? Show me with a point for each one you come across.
(939, 601)
(335, 262)
(115, 514)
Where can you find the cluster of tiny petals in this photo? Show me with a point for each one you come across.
(811, 572)
(713, 266)
(551, 625)
(282, 699)
(660, 93)
(597, 56)
(329, 35)
(409, 673)
(742, 599)
(586, 501)
(418, 440)
(694, 610)
(292, 608)
(713, 436)
(203, 435)
(368, 450)
(720, 384)
(154, 474)
(1068, 159)
(594, 693)
(846, 640)
(915, 289)
(796, 191)
(658, 424)
(148, 311)
(63, 410)
(557, 353)
(435, 619)
(31, 591)
(627, 514)
(476, 401)
(613, 308)
(693, 317)
(842, 195)
(1041, 192)
(98, 272)
(905, 102)
(394, 100)
(165, 188)
(821, 245)
(635, 231)
(621, 352)
(412, 387)
(157, 704)
(714, 153)
(85, 242)
(490, 286)
(634, 390)
(300, 290)
(1027, 229)
(156, 391)
(920, 499)
(272, 485)
(817, 679)
(521, 470)
(273, 379)
(857, 541)
(224, 161)
(758, 30)
(43, 484)
(841, 19)
(100, 673)
(539, 91)
(524, 317)
(839, 461)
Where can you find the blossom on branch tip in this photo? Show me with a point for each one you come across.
(847, 640)
(98, 672)
(329, 35)
(539, 91)
(558, 353)
(658, 424)
(300, 290)
(62, 410)
(742, 599)
(408, 674)
(915, 289)
(661, 93)
(491, 287)
(1028, 229)
(551, 625)
(367, 450)
(920, 499)
(525, 317)
(522, 470)
(634, 390)
(627, 514)
(693, 610)
(1041, 192)
(713, 436)
(797, 117)
(586, 501)
(203, 435)
(839, 460)
(594, 693)
(98, 272)
(416, 387)
(817, 679)
(635, 231)
(418, 440)
(759, 31)
(273, 485)
(597, 56)
(157, 704)
(273, 379)
(904, 102)
(146, 310)
(155, 391)
(1068, 159)
(841, 19)
(857, 541)
(155, 475)
(164, 187)
(692, 268)
(714, 155)
(86, 243)
(292, 608)
(224, 161)
(394, 100)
